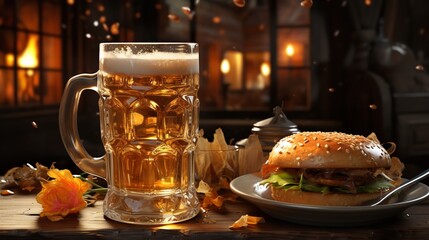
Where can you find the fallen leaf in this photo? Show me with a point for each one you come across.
(245, 220)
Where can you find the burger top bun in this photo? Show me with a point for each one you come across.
(328, 150)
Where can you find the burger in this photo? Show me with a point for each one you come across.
(330, 168)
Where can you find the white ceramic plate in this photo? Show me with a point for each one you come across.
(247, 187)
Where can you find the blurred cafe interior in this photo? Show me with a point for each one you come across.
(355, 66)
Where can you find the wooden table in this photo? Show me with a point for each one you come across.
(19, 219)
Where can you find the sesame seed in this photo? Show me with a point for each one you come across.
(314, 138)
(327, 152)
(294, 146)
(298, 158)
(318, 144)
(310, 154)
(300, 144)
(347, 150)
(338, 149)
(326, 146)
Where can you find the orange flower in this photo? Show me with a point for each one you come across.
(62, 195)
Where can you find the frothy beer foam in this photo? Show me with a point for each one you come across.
(156, 63)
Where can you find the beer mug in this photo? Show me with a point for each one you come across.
(149, 112)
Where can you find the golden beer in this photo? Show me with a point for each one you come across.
(149, 125)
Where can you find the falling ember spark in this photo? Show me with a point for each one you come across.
(373, 106)
(368, 2)
(108, 37)
(307, 3)
(34, 124)
(158, 6)
(239, 3)
(105, 27)
(344, 3)
(95, 23)
(138, 15)
(70, 2)
(420, 67)
(88, 35)
(422, 31)
(337, 33)
(216, 19)
(331, 90)
(173, 17)
(102, 19)
(100, 8)
(114, 28)
(187, 11)
(87, 12)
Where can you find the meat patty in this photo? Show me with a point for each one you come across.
(351, 179)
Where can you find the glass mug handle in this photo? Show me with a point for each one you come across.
(68, 124)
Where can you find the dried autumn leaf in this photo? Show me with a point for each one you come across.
(203, 187)
(307, 3)
(211, 198)
(173, 17)
(239, 3)
(245, 220)
(218, 201)
(26, 177)
(6, 192)
(187, 11)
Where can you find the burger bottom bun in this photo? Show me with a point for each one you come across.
(328, 199)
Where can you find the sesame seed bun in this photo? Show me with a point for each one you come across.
(328, 150)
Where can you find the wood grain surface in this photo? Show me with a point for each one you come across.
(19, 219)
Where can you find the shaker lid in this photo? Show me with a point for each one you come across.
(278, 123)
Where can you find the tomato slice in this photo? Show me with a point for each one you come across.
(268, 169)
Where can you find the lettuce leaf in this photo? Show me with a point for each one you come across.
(281, 179)
(288, 181)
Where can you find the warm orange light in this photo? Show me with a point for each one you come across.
(290, 50)
(28, 81)
(10, 58)
(225, 66)
(265, 69)
(28, 58)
